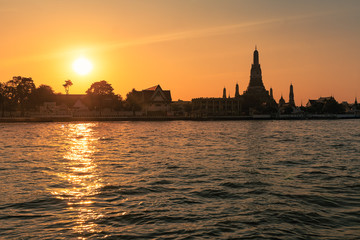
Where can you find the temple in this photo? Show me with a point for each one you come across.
(254, 100)
(287, 107)
(256, 97)
(256, 84)
(291, 96)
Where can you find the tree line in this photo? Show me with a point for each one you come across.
(21, 94)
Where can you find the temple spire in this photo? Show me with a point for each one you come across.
(255, 73)
(291, 96)
(224, 93)
(281, 101)
(237, 94)
(256, 56)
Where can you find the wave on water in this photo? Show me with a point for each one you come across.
(180, 180)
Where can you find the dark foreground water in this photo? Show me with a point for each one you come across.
(180, 180)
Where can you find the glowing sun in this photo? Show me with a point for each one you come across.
(82, 66)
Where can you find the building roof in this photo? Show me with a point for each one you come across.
(324, 99)
(149, 94)
(80, 105)
(152, 88)
(71, 99)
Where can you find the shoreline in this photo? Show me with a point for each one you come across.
(169, 118)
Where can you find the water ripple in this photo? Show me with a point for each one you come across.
(180, 180)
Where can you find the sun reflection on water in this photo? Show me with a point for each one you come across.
(79, 173)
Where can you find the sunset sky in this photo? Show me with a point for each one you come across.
(192, 47)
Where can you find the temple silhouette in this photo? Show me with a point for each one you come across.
(254, 100)
(19, 97)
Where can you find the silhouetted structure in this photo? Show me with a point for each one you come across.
(237, 94)
(355, 107)
(291, 96)
(281, 101)
(324, 105)
(69, 100)
(287, 107)
(256, 85)
(256, 99)
(224, 92)
(154, 101)
(217, 106)
(181, 108)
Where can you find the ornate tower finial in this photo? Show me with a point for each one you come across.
(255, 73)
(291, 96)
(256, 57)
(224, 93)
(281, 101)
(237, 94)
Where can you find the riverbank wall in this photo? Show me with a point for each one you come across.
(177, 118)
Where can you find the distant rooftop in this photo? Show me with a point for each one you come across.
(152, 88)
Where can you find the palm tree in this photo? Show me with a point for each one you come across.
(67, 85)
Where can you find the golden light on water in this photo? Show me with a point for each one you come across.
(81, 177)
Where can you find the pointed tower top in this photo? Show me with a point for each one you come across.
(237, 94)
(291, 96)
(256, 56)
(224, 92)
(281, 101)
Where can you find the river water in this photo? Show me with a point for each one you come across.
(180, 180)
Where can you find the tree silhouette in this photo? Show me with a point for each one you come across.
(118, 102)
(68, 83)
(101, 94)
(43, 93)
(101, 88)
(19, 89)
(133, 101)
(2, 98)
(9, 98)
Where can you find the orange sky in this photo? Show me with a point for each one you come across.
(194, 47)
